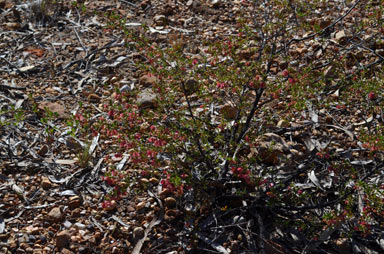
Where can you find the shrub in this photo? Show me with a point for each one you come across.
(212, 126)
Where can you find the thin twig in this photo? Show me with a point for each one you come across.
(12, 87)
(196, 137)
(13, 66)
(81, 43)
(127, 2)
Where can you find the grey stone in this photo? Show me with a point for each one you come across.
(146, 99)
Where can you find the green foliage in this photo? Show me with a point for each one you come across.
(11, 116)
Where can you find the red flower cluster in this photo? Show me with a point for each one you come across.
(167, 185)
(242, 174)
(136, 157)
(157, 142)
(220, 85)
(372, 96)
(170, 187)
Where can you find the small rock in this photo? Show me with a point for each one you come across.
(50, 90)
(329, 120)
(273, 70)
(97, 236)
(154, 180)
(229, 111)
(90, 227)
(45, 183)
(216, 3)
(341, 37)
(80, 226)
(75, 239)
(146, 99)
(67, 224)
(23, 238)
(3, 3)
(53, 107)
(302, 50)
(92, 240)
(32, 230)
(74, 202)
(28, 69)
(283, 123)
(144, 181)
(160, 20)
(83, 250)
(43, 150)
(12, 244)
(148, 80)
(73, 144)
(76, 213)
(113, 80)
(173, 212)
(94, 98)
(138, 233)
(168, 10)
(55, 214)
(43, 239)
(32, 239)
(164, 193)
(62, 239)
(66, 251)
(144, 4)
(140, 205)
(271, 148)
(170, 202)
(130, 208)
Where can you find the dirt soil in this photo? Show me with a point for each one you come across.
(57, 57)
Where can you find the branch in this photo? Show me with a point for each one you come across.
(195, 136)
